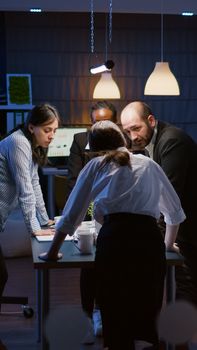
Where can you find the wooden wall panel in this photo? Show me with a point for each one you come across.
(55, 49)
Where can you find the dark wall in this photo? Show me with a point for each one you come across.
(2, 70)
(2, 54)
(55, 49)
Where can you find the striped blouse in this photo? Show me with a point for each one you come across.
(19, 182)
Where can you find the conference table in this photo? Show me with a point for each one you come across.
(73, 259)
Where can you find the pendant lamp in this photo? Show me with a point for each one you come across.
(107, 66)
(162, 81)
(106, 87)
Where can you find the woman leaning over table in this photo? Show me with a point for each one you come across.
(129, 192)
(20, 154)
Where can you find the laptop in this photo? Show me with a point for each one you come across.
(59, 148)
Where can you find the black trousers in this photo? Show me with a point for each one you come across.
(130, 270)
(87, 290)
(186, 275)
(87, 286)
(3, 274)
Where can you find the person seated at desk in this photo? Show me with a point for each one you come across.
(20, 154)
(129, 191)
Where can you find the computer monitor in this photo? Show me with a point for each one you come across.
(59, 148)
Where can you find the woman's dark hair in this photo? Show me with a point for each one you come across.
(105, 138)
(40, 115)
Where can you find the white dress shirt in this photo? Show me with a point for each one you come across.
(141, 189)
(20, 182)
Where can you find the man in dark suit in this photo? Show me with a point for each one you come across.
(79, 151)
(79, 156)
(176, 153)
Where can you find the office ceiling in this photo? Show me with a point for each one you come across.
(119, 6)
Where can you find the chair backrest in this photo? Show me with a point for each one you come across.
(60, 192)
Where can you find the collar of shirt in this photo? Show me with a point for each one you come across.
(151, 144)
(87, 147)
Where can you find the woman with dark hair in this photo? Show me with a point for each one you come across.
(129, 191)
(20, 154)
(80, 155)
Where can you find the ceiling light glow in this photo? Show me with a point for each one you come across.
(35, 10)
(187, 13)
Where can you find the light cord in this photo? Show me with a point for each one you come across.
(92, 26)
(110, 21)
(161, 30)
(106, 36)
(108, 31)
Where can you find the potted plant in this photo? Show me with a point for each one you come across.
(19, 89)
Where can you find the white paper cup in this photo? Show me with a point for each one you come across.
(87, 225)
(97, 227)
(85, 241)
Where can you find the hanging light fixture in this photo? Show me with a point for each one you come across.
(106, 88)
(162, 81)
(107, 66)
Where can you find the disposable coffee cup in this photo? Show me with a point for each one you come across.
(85, 241)
(97, 227)
(86, 225)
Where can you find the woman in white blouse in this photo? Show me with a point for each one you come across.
(20, 154)
(129, 193)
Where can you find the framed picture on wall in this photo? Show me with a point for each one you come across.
(19, 89)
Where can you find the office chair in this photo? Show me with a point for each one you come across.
(15, 243)
(60, 192)
(27, 311)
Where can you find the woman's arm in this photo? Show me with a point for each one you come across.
(52, 253)
(23, 170)
(170, 238)
(170, 207)
(41, 212)
(74, 211)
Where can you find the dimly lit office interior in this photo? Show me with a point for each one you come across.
(49, 53)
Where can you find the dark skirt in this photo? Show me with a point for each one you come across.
(130, 270)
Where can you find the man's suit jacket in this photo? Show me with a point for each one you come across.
(176, 153)
(78, 157)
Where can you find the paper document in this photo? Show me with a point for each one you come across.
(50, 238)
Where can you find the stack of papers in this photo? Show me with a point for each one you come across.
(46, 238)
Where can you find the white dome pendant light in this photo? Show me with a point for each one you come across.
(106, 87)
(162, 81)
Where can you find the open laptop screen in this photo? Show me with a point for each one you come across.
(59, 148)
